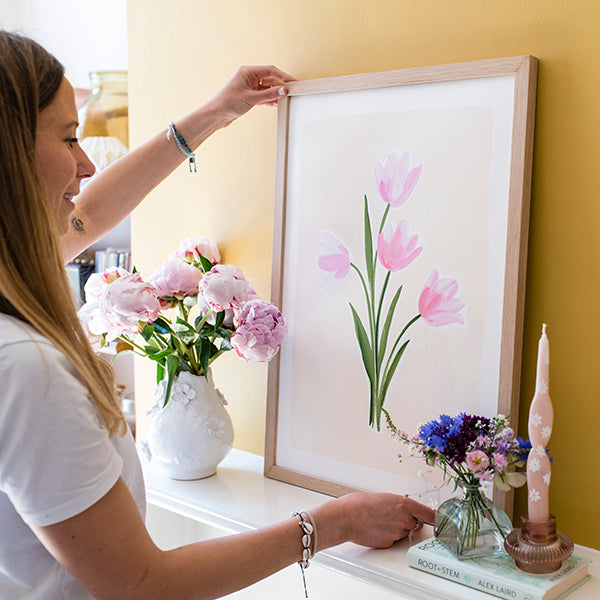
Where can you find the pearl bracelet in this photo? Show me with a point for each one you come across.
(309, 542)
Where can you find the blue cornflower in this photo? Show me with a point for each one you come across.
(525, 447)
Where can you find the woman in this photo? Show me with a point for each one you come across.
(71, 492)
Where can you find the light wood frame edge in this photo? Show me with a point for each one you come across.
(524, 68)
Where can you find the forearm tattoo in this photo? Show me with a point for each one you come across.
(77, 225)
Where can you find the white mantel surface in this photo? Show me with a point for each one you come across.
(239, 498)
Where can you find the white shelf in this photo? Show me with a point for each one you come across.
(239, 498)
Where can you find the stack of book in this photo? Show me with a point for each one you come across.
(498, 575)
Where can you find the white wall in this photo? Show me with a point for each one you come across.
(85, 35)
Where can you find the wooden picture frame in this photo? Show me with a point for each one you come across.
(471, 126)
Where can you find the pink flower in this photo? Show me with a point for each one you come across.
(395, 248)
(86, 313)
(477, 461)
(177, 279)
(229, 315)
(97, 281)
(500, 462)
(394, 181)
(192, 249)
(125, 305)
(334, 257)
(437, 302)
(260, 330)
(224, 287)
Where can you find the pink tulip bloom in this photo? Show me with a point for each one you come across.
(395, 181)
(260, 330)
(437, 302)
(176, 279)
(477, 461)
(395, 248)
(334, 257)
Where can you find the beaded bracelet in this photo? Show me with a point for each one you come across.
(182, 145)
(309, 542)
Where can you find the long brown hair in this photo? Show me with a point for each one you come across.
(33, 282)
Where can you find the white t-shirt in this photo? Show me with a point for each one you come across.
(56, 460)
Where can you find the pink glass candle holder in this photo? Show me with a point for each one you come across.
(537, 547)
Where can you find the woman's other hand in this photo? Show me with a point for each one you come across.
(373, 520)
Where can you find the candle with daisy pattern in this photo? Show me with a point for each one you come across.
(541, 416)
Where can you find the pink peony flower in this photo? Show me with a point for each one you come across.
(125, 305)
(229, 315)
(260, 331)
(86, 313)
(394, 181)
(97, 281)
(176, 279)
(224, 287)
(437, 302)
(477, 461)
(334, 257)
(395, 248)
(192, 249)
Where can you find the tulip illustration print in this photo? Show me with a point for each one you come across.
(394, 248)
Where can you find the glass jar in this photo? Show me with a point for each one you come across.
(472, 526)
(104, 118)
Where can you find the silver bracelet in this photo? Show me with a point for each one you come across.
(309, 542)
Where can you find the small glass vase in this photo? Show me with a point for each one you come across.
(472, 526)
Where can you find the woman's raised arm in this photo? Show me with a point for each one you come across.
(113, 193)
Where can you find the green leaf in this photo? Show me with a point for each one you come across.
(387, 379)
(368, 243)
(206, 264)
(220, 318)
(224, 332)
(183, 323)
(206, 351)
(225, 345)
(160, 373)
(152, 348)
(148, 331)
(184, 332)
(365, 346)
(162, 326)
(172, 364)
(386, 326)
(158, 356)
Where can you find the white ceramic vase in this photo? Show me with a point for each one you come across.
(193, 433)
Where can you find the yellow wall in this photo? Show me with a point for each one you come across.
(180, 54)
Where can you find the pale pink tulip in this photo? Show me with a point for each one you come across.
(177, 279)
(394, 179)
(334, 257)
(396, 248)
(224, 287)
(260, 330)
(437, 302)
